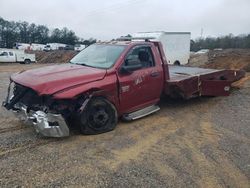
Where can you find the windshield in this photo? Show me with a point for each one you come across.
(98, 55)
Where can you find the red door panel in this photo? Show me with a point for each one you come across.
(131, 90)
(142, 87)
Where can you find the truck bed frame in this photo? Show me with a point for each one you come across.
(188, 82)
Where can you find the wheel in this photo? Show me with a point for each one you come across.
(98, 117)
(27, 61)
(177, 63)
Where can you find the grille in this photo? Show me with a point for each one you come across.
(25, 95)
(18, 89)
(15, 93)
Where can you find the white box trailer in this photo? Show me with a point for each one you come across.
(26, 46)
(22, 46)
(35, 47)
(54, 46)
(176, 45)
(12, 56)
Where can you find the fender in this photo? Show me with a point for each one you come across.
(106, 87)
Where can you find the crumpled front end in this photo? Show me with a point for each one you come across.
(47, 124)
(32, 110)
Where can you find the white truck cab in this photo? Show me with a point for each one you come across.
(10, 55)
(79, 47)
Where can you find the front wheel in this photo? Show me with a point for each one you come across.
(98, 117)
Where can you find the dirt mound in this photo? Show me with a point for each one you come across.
(242, 82)
(197, 60)
(223, 59)
(58, 56)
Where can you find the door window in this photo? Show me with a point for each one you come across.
(4, 54)
(140, 56)
(11, 53)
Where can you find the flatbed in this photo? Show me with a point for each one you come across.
(188, 82)
(178, 73)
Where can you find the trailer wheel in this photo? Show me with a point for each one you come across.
(177, 63)
(98, 117)
(27, 61)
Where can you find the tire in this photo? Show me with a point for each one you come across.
(99, 116)
(27, 61)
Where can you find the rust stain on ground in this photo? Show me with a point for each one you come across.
(208, 169)
(153, 133)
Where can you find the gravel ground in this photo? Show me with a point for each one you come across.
(202, 142)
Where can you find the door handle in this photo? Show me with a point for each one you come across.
(155, 74)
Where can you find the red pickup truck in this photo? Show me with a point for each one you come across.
(104, 82)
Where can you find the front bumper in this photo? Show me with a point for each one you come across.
(47, 124)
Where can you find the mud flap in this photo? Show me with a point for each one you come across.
(215, 87)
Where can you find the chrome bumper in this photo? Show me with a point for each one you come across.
(47, 124)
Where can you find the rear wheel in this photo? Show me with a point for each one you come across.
(27, 61)
(98, 117)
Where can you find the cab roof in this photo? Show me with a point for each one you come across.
(125, 43)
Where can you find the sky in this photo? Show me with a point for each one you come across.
(106, 20)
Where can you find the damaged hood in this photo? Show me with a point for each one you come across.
(51, 79)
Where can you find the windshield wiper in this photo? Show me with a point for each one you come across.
(83, 64)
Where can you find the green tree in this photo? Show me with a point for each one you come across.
(8, 33)
(24, 34)
(56, 35)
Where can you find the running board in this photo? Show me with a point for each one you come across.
(141, 113)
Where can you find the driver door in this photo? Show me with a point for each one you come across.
(137, 87)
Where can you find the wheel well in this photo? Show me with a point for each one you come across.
(27, 61)
(97, 93)
(177, 62)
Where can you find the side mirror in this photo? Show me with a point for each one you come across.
(130, 68)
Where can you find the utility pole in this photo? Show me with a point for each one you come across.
(201, 32)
